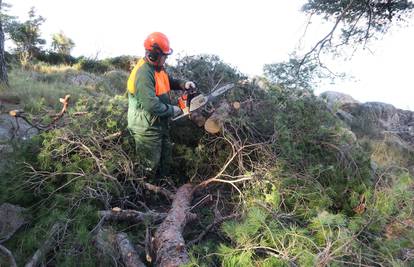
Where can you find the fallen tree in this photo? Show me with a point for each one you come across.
(130, 256)
(169, 243)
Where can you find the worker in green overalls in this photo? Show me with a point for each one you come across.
(149, 105)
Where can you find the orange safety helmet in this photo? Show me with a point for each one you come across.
(158, 40)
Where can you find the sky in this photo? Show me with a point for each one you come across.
(245, 34)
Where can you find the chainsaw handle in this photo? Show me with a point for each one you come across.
(180, 116)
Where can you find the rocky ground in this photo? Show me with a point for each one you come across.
(375, 120)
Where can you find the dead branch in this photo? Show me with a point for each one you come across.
(50, 242)
(129, 255)
(132, 216)
(38, 126)
(169, 243)
(79, 113)
(101, 167)
(231, 182)
(112, 136)
(65, 102)
(327, 37)
(9, 256)
(157, 189)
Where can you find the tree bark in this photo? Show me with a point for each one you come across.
(4, 80)
(214, 123)
(129, 255)
(131, 216)
(169, 243)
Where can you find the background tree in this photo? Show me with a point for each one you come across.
(285, 74)
(358, 20)
(62, 44)
(26, 36)
(3, 70)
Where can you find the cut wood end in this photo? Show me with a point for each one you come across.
(64, 100)
(15, 113)
(236, 105)
(116, 209)
(212, 126)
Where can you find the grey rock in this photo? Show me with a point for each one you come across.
(11, 127)
(373, 119)
(337, 99)
(11, 219)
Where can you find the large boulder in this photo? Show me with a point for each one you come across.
(337, 99)
(12, 217)
(12, 128)
(372, 118)
(336, 102)
(389, 130)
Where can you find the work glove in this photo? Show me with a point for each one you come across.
(189, 85)
(177, 111)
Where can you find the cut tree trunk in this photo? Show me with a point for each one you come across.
(214, 123)
(169, 243)
(129, 255)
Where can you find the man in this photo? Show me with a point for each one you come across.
(149, 105)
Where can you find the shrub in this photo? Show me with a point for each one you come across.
(92, 65)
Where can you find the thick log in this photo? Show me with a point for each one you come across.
(169, 243)
(50, 242)
(105, 243)
(129, 255)
(132, 216)
(215, 122)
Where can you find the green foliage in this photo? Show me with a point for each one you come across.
(309, 137)
(114, 82)
(233, 258)
(206, 70)
(360, 21)
(312, 198)
(62, 44)
(92, 65)
(124, 63)
(6, 19)
(54, 58)
(295, 74)
(43, 94)
(26, 36)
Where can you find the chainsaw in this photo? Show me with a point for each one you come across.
(191, 100)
